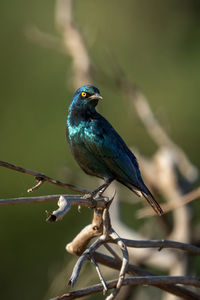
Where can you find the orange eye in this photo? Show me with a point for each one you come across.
(83, 94)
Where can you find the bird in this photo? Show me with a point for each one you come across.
(98, 148)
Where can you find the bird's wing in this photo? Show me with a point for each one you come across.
(103, 141)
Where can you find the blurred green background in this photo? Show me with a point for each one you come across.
(158, 45)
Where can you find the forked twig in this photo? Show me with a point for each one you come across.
(110, 236)
(42, 177)
(114, 254)
(86, 254)
(108, 233)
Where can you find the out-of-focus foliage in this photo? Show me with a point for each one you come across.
(158, 45)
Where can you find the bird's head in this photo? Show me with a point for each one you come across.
(86, 97)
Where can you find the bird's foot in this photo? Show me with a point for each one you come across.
(87, 196)
(97, 195)
(98, 192)
(92, 197)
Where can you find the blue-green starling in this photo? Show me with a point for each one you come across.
(98, 148)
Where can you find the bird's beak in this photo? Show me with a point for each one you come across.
(96, 97)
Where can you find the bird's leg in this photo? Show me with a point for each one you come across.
(99, 191)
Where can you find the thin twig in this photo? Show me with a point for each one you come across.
(161, 244)
(43, 177)
(124, 264)
(40, 182)
(86, 254)
(114, 254)
(106, 224)
(37, 199)
(105, 288)
(74, 200)
(109, 232)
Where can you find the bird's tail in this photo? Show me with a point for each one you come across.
(152, 201)
(142, 190)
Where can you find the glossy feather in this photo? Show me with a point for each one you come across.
(98, 148)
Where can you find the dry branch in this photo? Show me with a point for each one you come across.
(42, 177)
(103, 282)
(80, 242)
(153, 127)
(74, 43)
(74, 200)
(137, 271)
(140, 280)
(110, 236)
(163, 244)
(108, 233)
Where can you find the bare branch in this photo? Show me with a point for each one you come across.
(82, 237)
(161, 245)
(107, 234)
(86, 254)
(105, 288)
(135, 270)
(125, 267)
(140, 280)
(124, 264)
(114, 254)
(80, 242)
(38, 199)
(43, 177)
(74, 43)
(74, 200)
(155, 130)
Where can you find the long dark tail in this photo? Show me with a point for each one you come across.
(145, 192)
(152, 201)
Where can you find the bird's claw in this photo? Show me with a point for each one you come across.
(92, 197)
(87, 196)
(97, 195)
